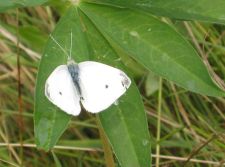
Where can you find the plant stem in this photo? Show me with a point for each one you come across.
(21, 124)
(106, 146)
(158, 123)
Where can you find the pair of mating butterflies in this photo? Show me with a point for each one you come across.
(94, 85)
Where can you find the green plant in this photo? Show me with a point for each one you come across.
(117, 32)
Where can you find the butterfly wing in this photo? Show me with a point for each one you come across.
(60, 90)
(101, 85)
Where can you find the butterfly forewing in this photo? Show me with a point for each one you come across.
(101, 85)
(61, 91)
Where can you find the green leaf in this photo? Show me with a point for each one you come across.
(11, 4)
(153, 44)
(151, 84)
(202, 10)
(57, 162)
(125, 123)
(32, 37)
(83, 143)
(49, 121)
(126, 128)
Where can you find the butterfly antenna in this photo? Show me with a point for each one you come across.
(59, 45)
(71, 44)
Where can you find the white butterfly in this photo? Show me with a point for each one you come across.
(94, 85)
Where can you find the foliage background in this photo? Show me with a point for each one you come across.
(191, 125)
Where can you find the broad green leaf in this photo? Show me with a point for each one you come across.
(125, 124)
(153, 44)
(49, 121)
(202, 10)
(10, 4)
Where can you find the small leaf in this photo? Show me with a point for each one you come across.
(57, 162)
(84, 143)
(202, 10)
(153, 44)
(32, 37)
(151, 84)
